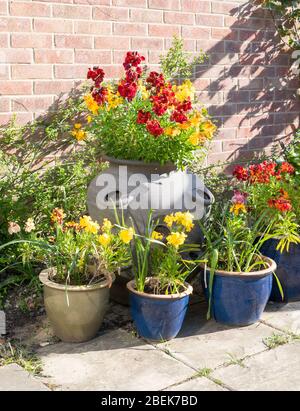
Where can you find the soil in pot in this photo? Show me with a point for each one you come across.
(239, 299)
(158, 317)
(75, 312)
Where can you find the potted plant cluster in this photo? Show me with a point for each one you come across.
(81, 260)
(273, 190)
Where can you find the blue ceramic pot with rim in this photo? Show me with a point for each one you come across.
(288, 270)
(239, 299)
(158, 317)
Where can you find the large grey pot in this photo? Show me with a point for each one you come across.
(75, 312)
(164, 186)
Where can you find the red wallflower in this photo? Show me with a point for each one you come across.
(133, 74)
(99, 95)
(179, 117)
(97, 75)
(184, 106)
(156, 80)
(286, 167)
(127, 90)
(143, 117)
(159, 109)
(282, 204)
(240, 173)
(154, 128)
(133, 59)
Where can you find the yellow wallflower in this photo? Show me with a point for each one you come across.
(194, 139)
(91, 104)
(77, 126)
(113, 99)
(169, 220)
(57, 216)
(185, 126)
(184, 91)
(80, 135)
(157, 236)
(126, 235)
(89, 225)
(176, 239)
(143, 90)
(238, 208)
(107, 225)
(196, 119)
(185, 219)
(89, 119)
(172, 131)
(104, 239)
(208, 128)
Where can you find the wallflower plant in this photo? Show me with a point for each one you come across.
(144, 116)
(270, 189)
(81, 253)
(158, 264)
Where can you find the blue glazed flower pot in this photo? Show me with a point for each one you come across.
(288, 270)
(239, 299)
(158, 317)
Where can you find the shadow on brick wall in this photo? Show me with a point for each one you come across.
(253, 88)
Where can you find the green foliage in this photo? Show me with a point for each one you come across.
(292, 154)
(118, 135)
(177, 64)
(17, 354)
(39, 171)
(286, 17)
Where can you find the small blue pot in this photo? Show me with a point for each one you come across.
(288, 271)
(158, 317)
(239, 299)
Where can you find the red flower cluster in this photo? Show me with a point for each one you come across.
(179, 117)
(133, 71)
(163, 100)
(240, 173)
(143, 117)
(282, 203)
(262, 173)
(97, 75)
(286, 167)
(99, 93)
(154, 128)
(156, 80)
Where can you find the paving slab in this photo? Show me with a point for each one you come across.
(274, 370)
(15, 378)
(207, 344)
(283, 316)
(116, 360)
(197, 384)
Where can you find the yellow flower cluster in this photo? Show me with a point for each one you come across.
(176, 239)
(78, 133)
(179, 218)
(144, 92)
(185, 91)
(89, 225)
(91, 104)
(126, 235)
(157, 236)
(238, 208)
(113, 99)
(105, 237)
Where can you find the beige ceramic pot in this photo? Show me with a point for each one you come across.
(75, 312)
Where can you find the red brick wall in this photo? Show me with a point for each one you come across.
(47, 46)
